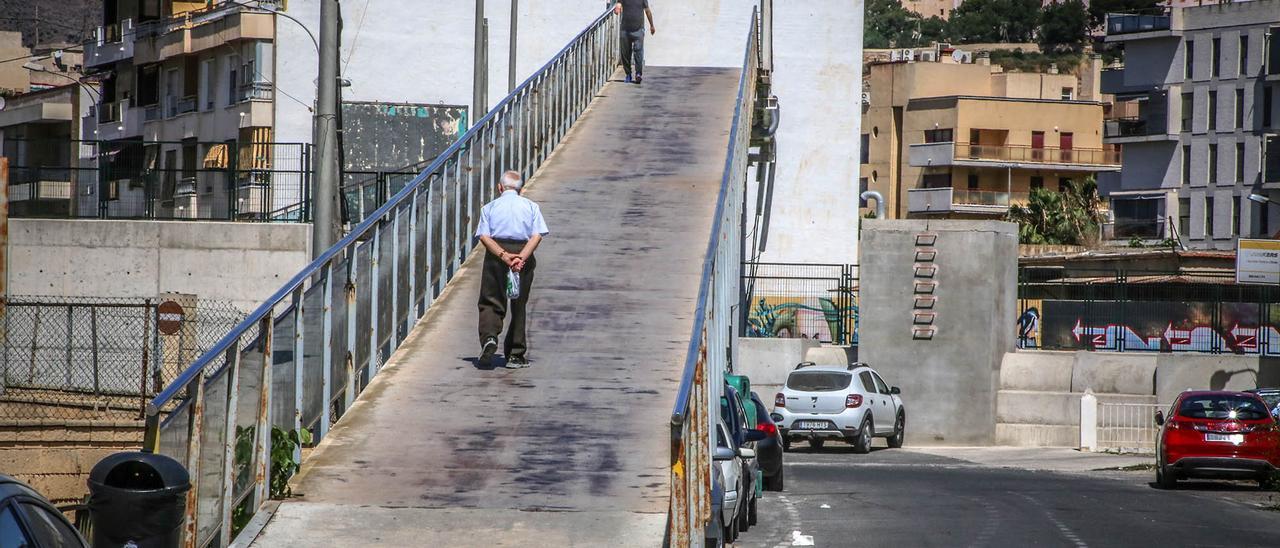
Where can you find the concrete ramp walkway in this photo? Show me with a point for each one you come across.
(574, 450)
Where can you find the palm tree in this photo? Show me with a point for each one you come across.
(1072, 216)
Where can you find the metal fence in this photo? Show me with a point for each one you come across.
(321, 337)
(1127, 427)
(179, 180)
(1132, 311)
(98, 358)
(800, 301)
(714, 334)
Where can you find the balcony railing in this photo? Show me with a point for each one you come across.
(1125, 229)
(1038, 155)
(179, 105)
(959, 200)
(256, 91)
(1128, 23)
(1132, 127)
(110, 112)
(111, 43)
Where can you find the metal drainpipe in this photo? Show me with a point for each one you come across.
(873, 195)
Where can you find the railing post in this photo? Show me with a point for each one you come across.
(431, 272)
(326, 353)
(394, 277)
(412, 316)
(1088, 421)
(262, 476)
(195, 429)
(353, 267)
(299, 361)
(375, 354)
(230, 438)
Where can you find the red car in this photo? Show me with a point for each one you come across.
(1216, 434)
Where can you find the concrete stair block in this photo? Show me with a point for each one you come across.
(1114, 373)
(1037, 370)
(1037, 435)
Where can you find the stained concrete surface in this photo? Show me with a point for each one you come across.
(574, 450)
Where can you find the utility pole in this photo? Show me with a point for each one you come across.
(511, 56)
(324, 193)
(479, 77)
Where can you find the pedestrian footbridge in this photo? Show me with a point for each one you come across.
(372, 349)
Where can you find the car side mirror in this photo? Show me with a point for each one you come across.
(723, 454)
(746, 453)
(756, 435)
(895, 390)
(1159, 418)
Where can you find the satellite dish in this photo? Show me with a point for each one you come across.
(1, 103)
(958, 55)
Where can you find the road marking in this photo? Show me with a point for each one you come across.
(1067, 533)
(798, 539)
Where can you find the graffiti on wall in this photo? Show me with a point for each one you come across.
(1160, 326)
(794, 318)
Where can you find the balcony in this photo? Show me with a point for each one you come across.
(1127, 229)
(1013, 156)
(1118, 128)
(175, 106)
(111, 43)
(1124, 26)
(948, 200)
(111, 112)
(1113, 83)
(1273, 53)
(1271, 162)
(201, 30)
(256, 91)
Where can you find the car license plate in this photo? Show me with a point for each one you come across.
(811, 425)
(1229, 438)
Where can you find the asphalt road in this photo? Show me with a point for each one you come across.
(905, 499)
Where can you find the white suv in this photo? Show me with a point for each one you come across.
(850, 403)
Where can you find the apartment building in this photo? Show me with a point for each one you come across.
(184, 125)
(967, 140)
(1197, 111)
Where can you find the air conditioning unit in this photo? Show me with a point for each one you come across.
(928, 56)
(908, 55)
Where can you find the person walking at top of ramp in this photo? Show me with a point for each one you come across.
(634, 12)
(510, 228)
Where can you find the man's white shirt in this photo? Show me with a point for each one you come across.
(511, 217)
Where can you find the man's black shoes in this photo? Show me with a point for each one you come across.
(517, 362)
(639, 79)
(486, 354)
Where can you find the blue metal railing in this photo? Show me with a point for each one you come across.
(299, 360)
(713, 334)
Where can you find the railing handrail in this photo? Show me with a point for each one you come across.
(320, 263)
(680, 410)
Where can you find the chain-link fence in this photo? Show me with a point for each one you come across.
(99, 358)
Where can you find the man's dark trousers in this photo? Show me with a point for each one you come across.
(493, 300)
(633, 45)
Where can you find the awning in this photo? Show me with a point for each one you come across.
(216, 157)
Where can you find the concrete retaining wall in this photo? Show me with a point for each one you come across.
(769, 361)
(242, 263)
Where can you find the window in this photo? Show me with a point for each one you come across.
(818, 381)
(1064, 183)
(1208, 217)
(1266, 106)
(10, 532)
(1037, 181)
(865, 152)
(207, 87)
(1263, 221)
(1215, 64)
(1068, 94)
(939, 136)
(233, 78)
(1188, 59)
(1184, 216)
(47, 528)
(1212, 113)
(868, 385)
(1187, 101)
(1244, 54)
(1239, 109)
(189, 158)
(862, 187)
(1213, 163)
(1235, 215)
(936, 180)
(1186, 164)
(973, 181)
(1239, 178)
(881, 386)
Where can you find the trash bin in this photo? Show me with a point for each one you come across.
(138, 500)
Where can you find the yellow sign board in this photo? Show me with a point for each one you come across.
(1258, 262)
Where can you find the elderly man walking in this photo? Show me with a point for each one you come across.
(511, 227)
(634, 12)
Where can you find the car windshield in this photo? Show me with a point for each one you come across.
(1222, 407)
(818, 381)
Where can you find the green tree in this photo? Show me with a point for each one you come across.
(889, 25)
(932, 29)
(1064, 26)
(1072, 216)
(985, 21)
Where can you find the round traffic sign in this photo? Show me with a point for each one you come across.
(169, 317)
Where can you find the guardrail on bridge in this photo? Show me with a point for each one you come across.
(322, 336)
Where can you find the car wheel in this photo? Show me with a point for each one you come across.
(731, 532)
(752, 518)
(716, 531)
(744, 517)
(786, 444)
(899, 431)
(862, 443)
(816, 443)
(774, 482)
(1165, 479)
(1268, 481)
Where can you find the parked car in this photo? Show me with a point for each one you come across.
(1216, 434)
(28, 520)
(850, 403)
(733, 413)
(769, 449)
(713, 536)
(729, 460)
(1271, 397)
